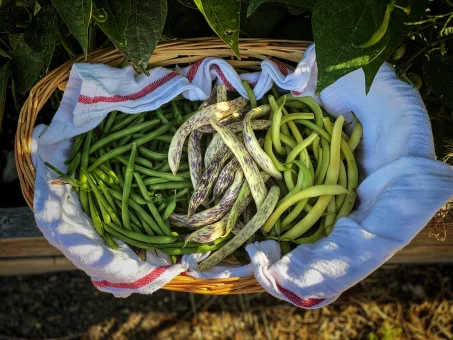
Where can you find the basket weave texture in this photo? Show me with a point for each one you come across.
(167, 54)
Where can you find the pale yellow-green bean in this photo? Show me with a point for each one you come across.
(275, 128)
(329, 127)
(329, 219)
(292, 156)
(356, 135)
(343, 181)
(314, 191)
(270, 151)
(316, 148)
(318, 166)
(325, 162)
(331, 178)
(290, 141)
(353, 180)
(296, 116)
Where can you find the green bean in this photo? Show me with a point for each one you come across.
(171, 185)
(151, 155)
(141, 213)
(128, 240)
(82, 173)
(128, 147)
(103, 204)
(270, 152)
(110, 242)
(109, 122)
(153, 173)
(176, 195)
(144, 162)
(136, 228)
(250, 94)
(123, 133)
(68, 179)
(142, 187)
(127, 188)
(78, 142)
(164, 120)
(119, 174)
(144, 238)
(126, 121)
(285, 247)
(160, 221)
(146, 226)
(72, 167)
(291, 142)
(134, 219)
(123, 141)
(316, 148)
(94, 214)
(331, 178)
(104, 190)
(177, 112)
(149, 181)
(275, 128)
(102, 175)
(170, 208)
(188, 250)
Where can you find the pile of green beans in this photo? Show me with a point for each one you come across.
(194, 177)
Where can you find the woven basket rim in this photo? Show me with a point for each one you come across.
(166, 53)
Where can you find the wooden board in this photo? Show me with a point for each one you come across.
(23, 249)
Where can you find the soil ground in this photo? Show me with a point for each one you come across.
(395, 302)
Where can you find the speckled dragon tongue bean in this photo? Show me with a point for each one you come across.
(242, 236)
(195, 157)
(252, 145)
(234, 118)
(247, 163)
(217, 141)
(208, 179)
(213, 112)
(215, 213)
(225, 178)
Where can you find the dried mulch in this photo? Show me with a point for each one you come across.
(395, 302)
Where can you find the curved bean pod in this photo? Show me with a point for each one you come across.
(208, 179)
(213, 214)
(127, 188)
(215, 111)
(331, 178)
(195, 157)
(252, 145)
(250, 228)
(225, 178)
(249, 167)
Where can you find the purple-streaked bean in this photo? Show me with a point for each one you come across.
(237, 124)
(211, 99)
(225, 178)
(195, 157)
(252, 145)
(207, 234)
(250, 228)
(241, 204)
(221, 93)
(217, 141)
(213, 214)
(208, 179)
(248, 165)
(213, 112)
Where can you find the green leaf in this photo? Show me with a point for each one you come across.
(4, 76)
(340, 25)
(224, 18)
(294, 6)
(76, 15)
(438, 75)
(134, 26)
(27, 64)
(261, 22)
(41, 31)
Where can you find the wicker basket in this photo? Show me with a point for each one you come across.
(167, 54)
